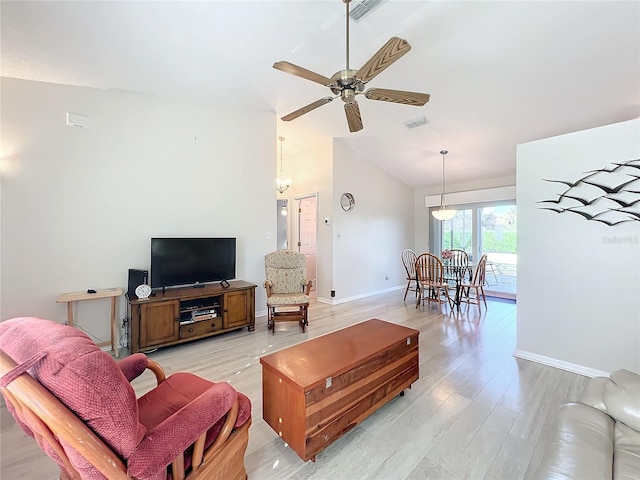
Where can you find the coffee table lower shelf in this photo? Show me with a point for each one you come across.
(316, 391)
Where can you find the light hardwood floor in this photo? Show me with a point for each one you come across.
(475, 413)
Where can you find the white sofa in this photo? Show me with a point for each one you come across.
(598, 437)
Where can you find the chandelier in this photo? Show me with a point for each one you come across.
(282, 183)
(443, 213)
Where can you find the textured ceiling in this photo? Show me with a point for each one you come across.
(499, 73)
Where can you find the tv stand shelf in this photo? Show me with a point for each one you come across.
(184, 314)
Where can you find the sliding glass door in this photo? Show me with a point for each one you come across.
(489, 228)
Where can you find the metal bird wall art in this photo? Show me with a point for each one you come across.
(606, 195)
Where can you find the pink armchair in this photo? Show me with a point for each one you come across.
(78, 404)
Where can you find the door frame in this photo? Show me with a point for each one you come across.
(295, 232)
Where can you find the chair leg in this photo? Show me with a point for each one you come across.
(419, 298)
(446, 294)
(407, 290)
(484, 297)
(303, 320)
(271, 324)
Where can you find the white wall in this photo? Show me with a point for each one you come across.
(578, 280)
(79, 206)
(368, 240)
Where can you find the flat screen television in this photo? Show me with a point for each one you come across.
(192, 261)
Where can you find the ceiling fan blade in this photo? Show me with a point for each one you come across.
(302, 72)
(307, 109)
(353, 116)
(397, 96)
(389, 53)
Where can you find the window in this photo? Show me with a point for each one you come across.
(489, 228)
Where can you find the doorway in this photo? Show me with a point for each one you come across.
(282, 214)
(307, 226)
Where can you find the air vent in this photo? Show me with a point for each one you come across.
(417, 122)
(364, 8)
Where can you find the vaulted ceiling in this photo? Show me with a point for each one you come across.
(499, 73)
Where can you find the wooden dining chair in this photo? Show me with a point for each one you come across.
(454, 260)
(456, 270)
(433, 286)
(472, 292)
(409, 261)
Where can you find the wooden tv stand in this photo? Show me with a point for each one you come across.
(180, 315)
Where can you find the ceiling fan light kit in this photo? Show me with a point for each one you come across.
(349, 83)
(443, 213)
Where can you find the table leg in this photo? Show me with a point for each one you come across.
(114, 340)
(70, 314)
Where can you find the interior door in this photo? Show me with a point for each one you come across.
(307, 229)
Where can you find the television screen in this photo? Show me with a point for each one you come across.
(184, 261)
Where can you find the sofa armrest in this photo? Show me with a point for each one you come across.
(617, 396)
(580, 445)
(162, 444)
(133, 365)
(593, 393)
(622, 398)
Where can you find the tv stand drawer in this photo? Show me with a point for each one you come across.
(200, 328)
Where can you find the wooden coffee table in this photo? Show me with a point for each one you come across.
(316, 391)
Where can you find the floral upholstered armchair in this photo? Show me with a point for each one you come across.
(78, 404)
(287, 288)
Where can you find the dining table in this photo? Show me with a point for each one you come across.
(456, 275)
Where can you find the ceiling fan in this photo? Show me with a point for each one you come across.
(348, 83)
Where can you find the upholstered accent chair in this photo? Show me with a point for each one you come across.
(287, 288)
(78, 404)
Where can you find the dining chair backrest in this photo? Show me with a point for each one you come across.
(409, 261)
(429, 268)
(479, 275)
(459, 258)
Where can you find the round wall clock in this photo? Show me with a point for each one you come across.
(143, 291)
(347, 202)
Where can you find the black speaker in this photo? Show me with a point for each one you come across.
(137, 277)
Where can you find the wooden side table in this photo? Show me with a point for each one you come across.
(113, 293)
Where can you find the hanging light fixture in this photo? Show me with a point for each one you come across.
(282, 183)
(443, 213)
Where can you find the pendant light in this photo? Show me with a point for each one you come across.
(282, 183)
(443, 213)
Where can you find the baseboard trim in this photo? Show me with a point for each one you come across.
(562, 365)
(334, 301)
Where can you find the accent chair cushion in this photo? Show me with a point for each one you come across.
(179, 391)
(282, 299)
